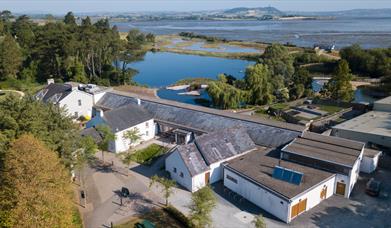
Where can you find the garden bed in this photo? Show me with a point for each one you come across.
(148, 155)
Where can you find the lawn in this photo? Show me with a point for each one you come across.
(148, 155)
(158, 217)
(330, 109)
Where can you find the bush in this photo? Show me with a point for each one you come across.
(179, 216)
(147, 155)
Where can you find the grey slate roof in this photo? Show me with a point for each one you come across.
(262, 132)
(192, 159)
(125, 117)
(258, 166)
(224, 144)
(214, 147)
(371, 153)
(326, 148)
(54, 92)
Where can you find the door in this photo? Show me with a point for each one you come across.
(340, 188)
(323, 193)
(299, 208)
(207, 178)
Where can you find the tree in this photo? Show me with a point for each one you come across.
(259, 222)
(46, 122)
(279, 61)
(133, 135)
(35, 189)
(203, 202)
(224, 95)
(167, 185)
(339, 86)
(107, 137)
(258, 83)
(69, 19)
(10, 58)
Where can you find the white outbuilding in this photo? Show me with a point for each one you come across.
(370, 160)
(282, 188)
(200, 163)
(121, 120)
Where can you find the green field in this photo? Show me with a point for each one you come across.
(158, 217)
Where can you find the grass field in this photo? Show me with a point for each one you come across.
(148, 155)
(329, 109)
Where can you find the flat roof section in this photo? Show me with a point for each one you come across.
(374, 122)
(258, 166)
(324, 148)
(333, 140)
(371, 153)
(386, 100)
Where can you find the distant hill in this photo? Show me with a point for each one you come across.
(375, 13)
(253, 12)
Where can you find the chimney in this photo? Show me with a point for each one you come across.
(138, 101)
(50, 81)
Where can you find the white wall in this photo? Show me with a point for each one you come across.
(362, 137)
(369, 164)
(174, 160)
(383, 107)
(98, 96)
(71, 103)
(342, 179)
(257, 195)
(354, 174)
(313, 195)
(146, 130)
(198, 182)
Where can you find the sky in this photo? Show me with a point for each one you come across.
(78, 6)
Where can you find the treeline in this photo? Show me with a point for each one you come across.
(278, 77)
(38, 146)
(375, 63)
(192, 35)
(66, 51)
(273, 79)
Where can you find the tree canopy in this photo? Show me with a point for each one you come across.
(339, 86)
(203, 202)
(64, 50)
(35, 189)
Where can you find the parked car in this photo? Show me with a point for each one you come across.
(373, 187)
(125, 192)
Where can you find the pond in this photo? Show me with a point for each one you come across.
(162, 69)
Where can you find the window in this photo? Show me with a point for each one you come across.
(146, 133)
(174, 170)
(147, 124)
(79, 102)
(181, 174)
(76, 114)
(232, 179)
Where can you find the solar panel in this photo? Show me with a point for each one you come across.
(287, 175)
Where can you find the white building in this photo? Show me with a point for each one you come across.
(372, 128)
(76, 99)
(337, 155)
(383, 105)
(200, 163)
(293, 180)
(121, 120)
(254, 176)
(370, 160)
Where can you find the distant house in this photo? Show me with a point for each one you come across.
(123, 119)
(200, 163)
(325, 46)
(76, 99)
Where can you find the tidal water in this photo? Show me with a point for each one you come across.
(368, 32)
